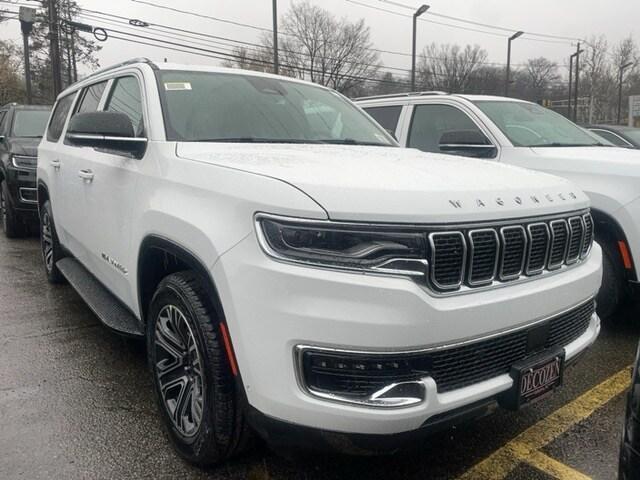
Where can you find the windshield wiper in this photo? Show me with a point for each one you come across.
(351, 141)
(254, 140)
(559, 144)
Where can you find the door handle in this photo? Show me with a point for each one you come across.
(55, 164)
(86, 175)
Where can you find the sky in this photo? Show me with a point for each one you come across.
(615, 19)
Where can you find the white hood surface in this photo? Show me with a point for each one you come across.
(387, 184)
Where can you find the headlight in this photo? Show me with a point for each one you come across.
(372, 248)
(23, 161)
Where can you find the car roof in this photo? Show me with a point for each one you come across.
(166, 66)
(615, 128)
(404, 97)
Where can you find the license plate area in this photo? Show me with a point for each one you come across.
(534, 378)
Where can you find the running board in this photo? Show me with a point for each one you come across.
(103, 303)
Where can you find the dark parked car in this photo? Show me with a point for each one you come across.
(620, 136)
(630, 449)
(21, 128)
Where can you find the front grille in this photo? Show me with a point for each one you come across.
(358, 375)
(476, 257)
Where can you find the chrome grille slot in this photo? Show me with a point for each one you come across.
(588, 235)
(576, 229)
(559, 243)
(483, 253)
(514, 243)
(539, 240)
(448, 256)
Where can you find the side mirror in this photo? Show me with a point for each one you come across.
(470, 143)
(106, 130)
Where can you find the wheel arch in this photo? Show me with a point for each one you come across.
(43, 194)
(609, 230)
(159, 257)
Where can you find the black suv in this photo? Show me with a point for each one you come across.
(21, 127)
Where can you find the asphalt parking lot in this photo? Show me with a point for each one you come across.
(76, 402)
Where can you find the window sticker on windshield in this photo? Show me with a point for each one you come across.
(177, 86)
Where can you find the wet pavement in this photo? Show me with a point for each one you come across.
(76, 402)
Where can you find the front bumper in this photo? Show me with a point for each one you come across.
(22, 190)
(272, 307)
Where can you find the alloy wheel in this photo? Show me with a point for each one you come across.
(178, 370)
(47, 241)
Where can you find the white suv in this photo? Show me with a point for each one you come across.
(293, 270)
(525, 134)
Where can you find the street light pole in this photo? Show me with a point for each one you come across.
(577, 79)
(276, 65)
(622, 69)
(27, 16)
(507, 79)
(420, 11)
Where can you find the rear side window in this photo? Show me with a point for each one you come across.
(430, 122)
(56, 125)
(125, 98)
(91, 98)
(387, 117)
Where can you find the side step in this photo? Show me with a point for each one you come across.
(107, 307)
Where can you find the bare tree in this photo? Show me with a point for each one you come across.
(539, 73)
(11, 84)
(449, 67)
(254, 59)
(317, 46)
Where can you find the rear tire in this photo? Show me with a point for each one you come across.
(49, 244)
(197, 394)
(11, 222)
(612, 291)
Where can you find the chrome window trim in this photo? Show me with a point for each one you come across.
(551, 266)
(432, 262)
(571, 261)
(298, 351)
(537, 271)
(524, 252)
(471, 249)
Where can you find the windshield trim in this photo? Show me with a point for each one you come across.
(515, 144)
(174, 138)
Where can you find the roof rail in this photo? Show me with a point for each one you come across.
(122, 64)
(406, 94)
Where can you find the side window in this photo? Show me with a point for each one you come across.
(58, 118)
(612, 137)
(436, 125)
(125, 98)
(387, 117)
(91, 98)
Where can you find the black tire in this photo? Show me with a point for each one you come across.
(213, 427)
(49, 244)
(612, 291)
(11, 222)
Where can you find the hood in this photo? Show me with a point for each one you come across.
(23, 146)
(389, 184)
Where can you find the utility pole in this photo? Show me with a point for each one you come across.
(27, 16)
(507, 79)
(420, 11)
(575, 90)
(622, 69)
(570, 84)
(54, 39)
(276, 64)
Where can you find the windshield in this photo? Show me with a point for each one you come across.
(227, 107)
(530, 125)
(29, 123)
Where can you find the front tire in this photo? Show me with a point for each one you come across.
(11, 222)
(194, 386)
(49, 244)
